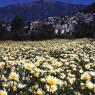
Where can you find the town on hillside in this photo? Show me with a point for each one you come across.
(72, 26)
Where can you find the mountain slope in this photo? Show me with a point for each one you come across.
(89, 9)
(38, 9)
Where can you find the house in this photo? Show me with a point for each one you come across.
(35, 25)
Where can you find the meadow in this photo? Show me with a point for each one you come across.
(51, 67)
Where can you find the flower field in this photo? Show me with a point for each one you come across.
(51, 67)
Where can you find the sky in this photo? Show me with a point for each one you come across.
(9, 2)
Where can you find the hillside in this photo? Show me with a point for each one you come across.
(38, 9)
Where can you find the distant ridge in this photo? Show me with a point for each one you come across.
(38, 9)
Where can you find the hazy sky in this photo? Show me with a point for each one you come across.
(8, 2)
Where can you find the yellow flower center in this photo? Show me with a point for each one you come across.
(51, 81)
(13, 77)
(86, 77)
(27, 66)
(52, 88)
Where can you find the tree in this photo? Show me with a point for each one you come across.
(83, 29)
(18, 27)
(17, 23)
(3, 30)
(47, 31)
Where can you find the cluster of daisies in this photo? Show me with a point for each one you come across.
(41, 78)
(52, 67)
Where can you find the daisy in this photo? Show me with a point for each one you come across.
(2, 92)
(85, 76)
(39, 92)
(51, 80)
(28, 66)
(89, 85)
(14, 76)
